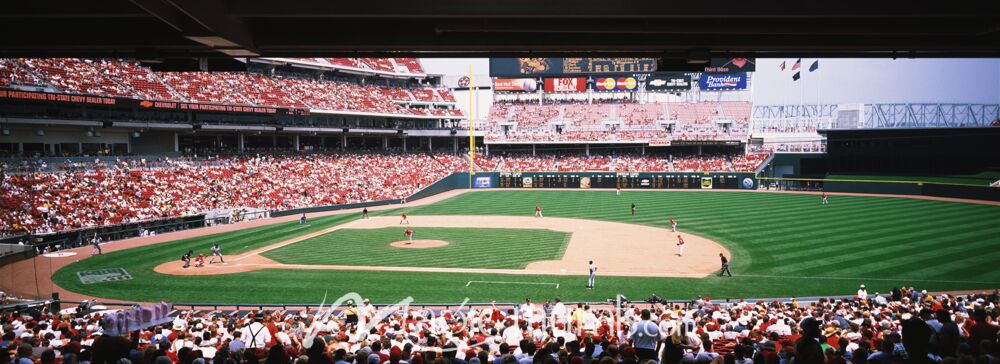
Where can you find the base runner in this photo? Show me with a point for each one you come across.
(680, 246)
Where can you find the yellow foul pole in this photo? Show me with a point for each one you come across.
(472, 129)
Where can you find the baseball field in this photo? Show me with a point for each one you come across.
(485, 245)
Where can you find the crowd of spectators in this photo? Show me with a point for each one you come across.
(621, 162)
(812, 146)
(134, 191)
(617, 121)
(123, 78)
(700, 163)
(905, 326)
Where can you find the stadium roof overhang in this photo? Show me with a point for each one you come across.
(675, 30)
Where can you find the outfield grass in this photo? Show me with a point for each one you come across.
(467, 247)
(782, 244)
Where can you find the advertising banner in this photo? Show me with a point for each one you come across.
(736, 81)
(482, 182)
(514, 67)
(527, 182)
(706, 182)
(616, 84)
(515, 84)
(144, 104)
(570, 84)
(668, 81)
(731, 65)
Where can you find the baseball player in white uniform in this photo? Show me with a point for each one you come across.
(680, 246)
(216, 252)
(593, 274)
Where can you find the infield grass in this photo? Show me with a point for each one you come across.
(782, 245)
(467, 248)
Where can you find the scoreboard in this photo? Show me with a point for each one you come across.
(629, 180)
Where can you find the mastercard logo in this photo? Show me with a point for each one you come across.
(606, 83)
(621, 83)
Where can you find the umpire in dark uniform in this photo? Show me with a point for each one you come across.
(725, 266)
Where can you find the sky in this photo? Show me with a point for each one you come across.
(843, 80)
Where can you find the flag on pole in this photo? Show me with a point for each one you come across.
(797, 64)
(814, 66)
(782, 65)
(796, 76)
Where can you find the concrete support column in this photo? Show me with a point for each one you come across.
(177, 142)
(454, 145)
(532, 150)
(643, 150)
(240, 141)
(343, 141)
(385, 143)
(274, 141)
(430, 144)
(404, 144)
(699, 150)
(487, 147)
(295, 140)
(587, 148)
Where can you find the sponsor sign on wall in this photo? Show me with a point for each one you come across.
(616, 84)
(668, 81)
(515, 84)
(566, 84)
(482, 182)
(735, 81)
(731, 65)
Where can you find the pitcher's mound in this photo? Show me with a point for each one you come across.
(418, 244)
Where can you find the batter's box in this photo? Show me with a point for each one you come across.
(103, 275)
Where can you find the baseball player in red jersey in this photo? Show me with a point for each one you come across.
(408, 233)
(538, 211)
(404, 220)
(825, 200)
(618, 190)
(680, 246)
(673, 225)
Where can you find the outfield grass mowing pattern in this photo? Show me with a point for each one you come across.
(782, 245)
(467, 248)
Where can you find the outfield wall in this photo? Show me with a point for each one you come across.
(916, 188)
